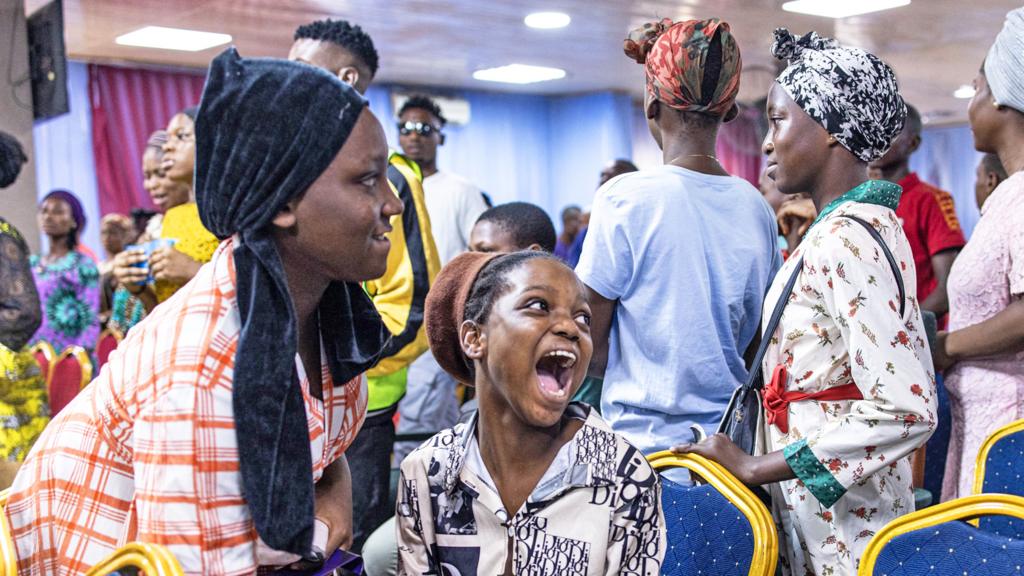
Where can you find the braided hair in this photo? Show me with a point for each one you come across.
(12, 157)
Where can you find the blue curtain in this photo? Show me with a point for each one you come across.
(63, 154)
(503, 149)
(585, 133)
(544, 150)
(379, 98)
(947, 159)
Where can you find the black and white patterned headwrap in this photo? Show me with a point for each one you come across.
(850, 92)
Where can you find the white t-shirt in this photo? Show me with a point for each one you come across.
(454, 204)
(689, 258)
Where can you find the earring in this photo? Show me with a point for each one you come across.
(832, 139)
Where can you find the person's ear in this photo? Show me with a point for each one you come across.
(731, 115)
(991, 181)
(440, 138)
(285, 218)
(349, 75)
(652, 109)
(915, 143)
(473, 340)
(534, 247)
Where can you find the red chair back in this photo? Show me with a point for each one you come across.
(107, 343)
(71, 372)
(44, 354)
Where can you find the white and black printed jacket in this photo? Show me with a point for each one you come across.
(596, 511)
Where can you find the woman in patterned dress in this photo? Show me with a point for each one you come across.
(218, 426)
(851, 393)
(68, 281)
(984, 348)
(23, 408)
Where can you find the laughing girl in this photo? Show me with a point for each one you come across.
(533, 484)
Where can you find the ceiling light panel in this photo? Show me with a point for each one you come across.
(519, 74)
(547, 20)
(172, 39)
(964, 92)
(841, 8)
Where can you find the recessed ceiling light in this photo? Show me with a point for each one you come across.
(547, 20)
(965, 91)
(172, 39)
(841, 8)
(519, 74)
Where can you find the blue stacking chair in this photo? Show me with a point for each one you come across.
(1000, 470)
(937, 541)
(715, 529)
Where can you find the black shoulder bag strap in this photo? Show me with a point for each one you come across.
(888, 256)
(754, 379)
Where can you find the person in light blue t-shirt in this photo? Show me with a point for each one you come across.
(678, 258)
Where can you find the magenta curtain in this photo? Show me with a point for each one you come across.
(127, 106)
(739, 145)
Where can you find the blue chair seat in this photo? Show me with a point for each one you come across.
(952, 548)
(707, 534)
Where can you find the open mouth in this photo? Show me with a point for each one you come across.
(554, 372)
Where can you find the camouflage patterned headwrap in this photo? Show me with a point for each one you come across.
(692, 65)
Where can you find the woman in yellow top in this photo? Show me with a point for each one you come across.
(172, 266)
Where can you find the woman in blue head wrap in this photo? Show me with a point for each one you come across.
(849, 392)
(219, 425)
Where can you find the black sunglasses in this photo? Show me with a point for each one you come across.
(421, 128)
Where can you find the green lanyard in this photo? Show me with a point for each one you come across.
(880, 192)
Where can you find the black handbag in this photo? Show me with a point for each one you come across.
(743, 421)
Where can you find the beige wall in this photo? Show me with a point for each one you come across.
(18, 203)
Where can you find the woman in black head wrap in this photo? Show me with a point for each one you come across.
(218, 427)
(849, 391)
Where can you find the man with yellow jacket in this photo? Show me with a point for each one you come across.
(399, 295)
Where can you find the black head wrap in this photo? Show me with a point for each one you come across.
(12, 156)
(266, 130)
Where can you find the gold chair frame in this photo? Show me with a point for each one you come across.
(967, 508)
(51, 356)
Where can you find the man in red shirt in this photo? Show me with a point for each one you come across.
(928, 216)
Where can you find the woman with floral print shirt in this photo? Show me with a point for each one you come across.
(68, 280)
(852, 393)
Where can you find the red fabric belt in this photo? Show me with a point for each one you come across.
(777, 399)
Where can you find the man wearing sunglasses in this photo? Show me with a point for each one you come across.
(453, 202)
(348, 52)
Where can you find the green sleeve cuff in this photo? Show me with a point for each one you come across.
(818, 480)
